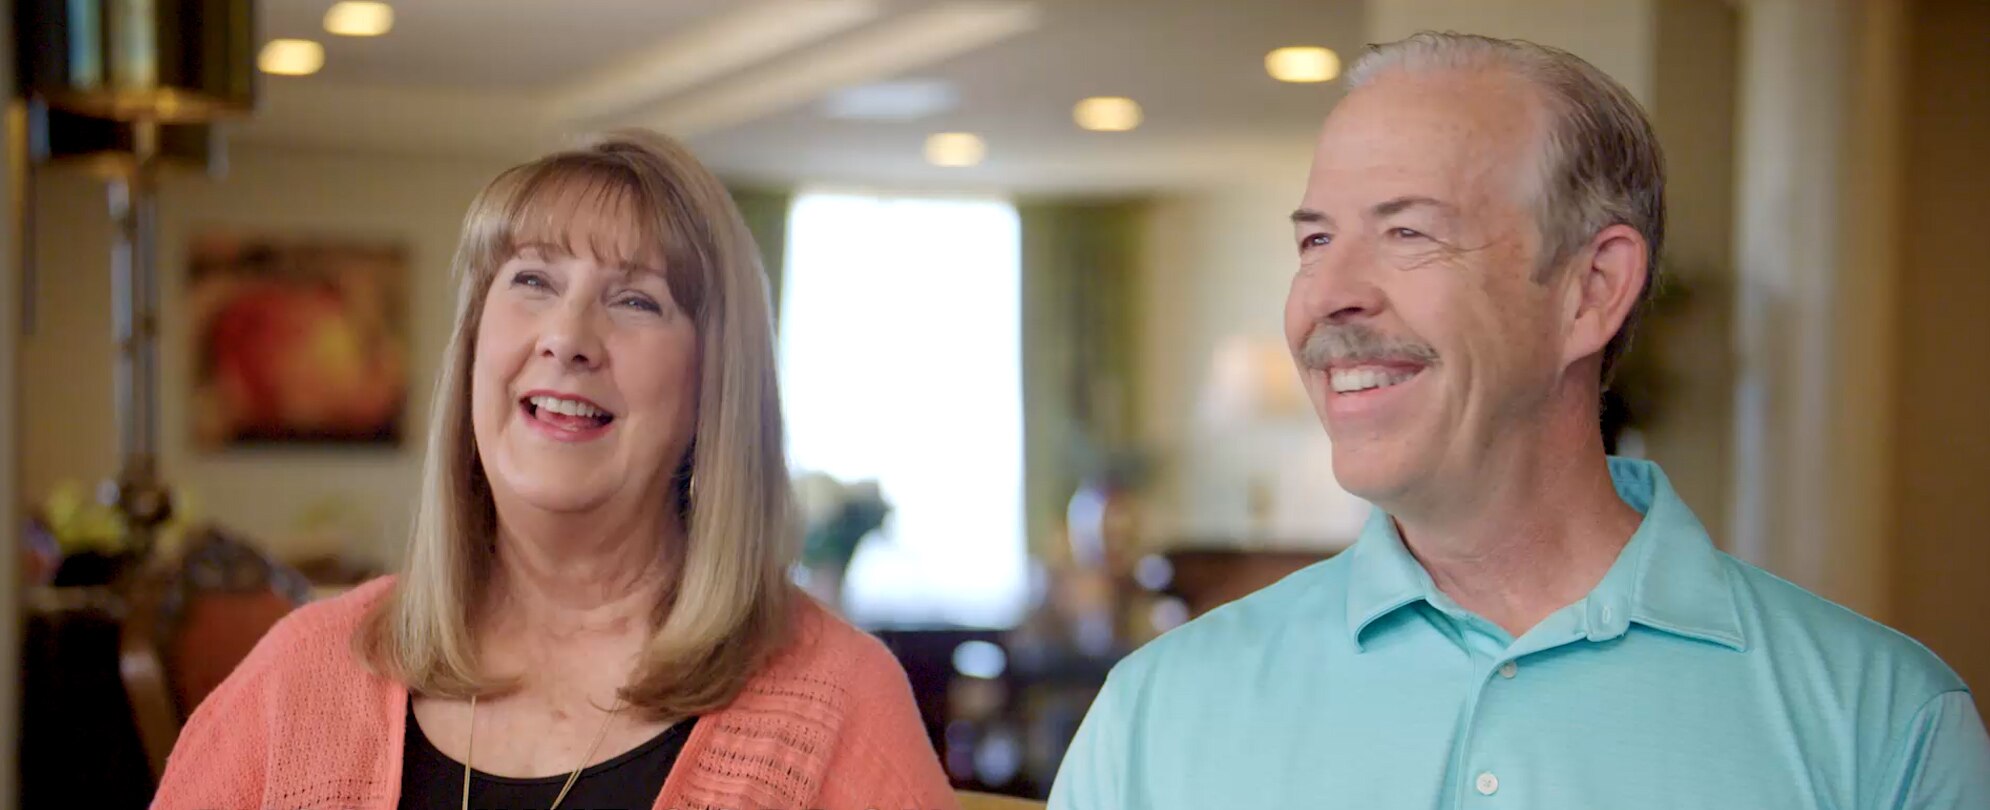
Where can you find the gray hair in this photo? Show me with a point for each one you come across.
(1601, 165)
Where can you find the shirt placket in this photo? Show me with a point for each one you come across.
(1495, 658)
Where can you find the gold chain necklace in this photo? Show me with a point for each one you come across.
(470, 748)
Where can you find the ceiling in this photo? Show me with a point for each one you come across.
(746, 83)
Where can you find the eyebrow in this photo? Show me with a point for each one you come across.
(1307, 216)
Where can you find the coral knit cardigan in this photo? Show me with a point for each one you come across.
(828, 723)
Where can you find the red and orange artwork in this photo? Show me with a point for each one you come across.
(297, 340)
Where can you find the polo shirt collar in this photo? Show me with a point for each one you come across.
(1669, 577)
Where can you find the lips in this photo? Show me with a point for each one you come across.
(565, 416)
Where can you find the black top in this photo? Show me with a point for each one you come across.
(430, 779)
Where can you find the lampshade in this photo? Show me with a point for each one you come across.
(110, 148)
(173, 61)
(1251, 381)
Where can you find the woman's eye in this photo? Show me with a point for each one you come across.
(1405, 233)
(530, 278)
(642, 303)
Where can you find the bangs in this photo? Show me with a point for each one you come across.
(584, 205)
(628, 198)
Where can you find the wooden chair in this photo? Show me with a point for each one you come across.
(974, 800)
(191, 623)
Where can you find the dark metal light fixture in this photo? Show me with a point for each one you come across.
(172, 61)
(128, 86)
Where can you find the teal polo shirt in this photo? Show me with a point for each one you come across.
(1686, 679)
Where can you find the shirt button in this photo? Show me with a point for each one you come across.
(1606, 614)
(1509, 669)
(1488, 784)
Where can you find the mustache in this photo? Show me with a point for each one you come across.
(1353, 343)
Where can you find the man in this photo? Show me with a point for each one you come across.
(1524, 622)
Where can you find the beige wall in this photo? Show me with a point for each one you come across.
(1695, 67)
(1941, 572)
(66, 366)
(1614, 35)
(1219, 262)
(1815, 281)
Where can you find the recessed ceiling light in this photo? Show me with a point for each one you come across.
(904, 100)
(1302, 65)
(359, 18)
(955, 149)
(291, 57)
(1107, 114)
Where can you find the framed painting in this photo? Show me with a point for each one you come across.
(297, 340)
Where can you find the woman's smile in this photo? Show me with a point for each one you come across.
(565, 417)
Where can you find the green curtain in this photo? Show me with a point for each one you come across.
(1081, 266)
(766, 215)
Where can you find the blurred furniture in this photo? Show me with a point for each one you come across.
(78, 744)
(927, 654)
(976, 800)
(1206, 576)
(110, 673)
(1000, 706)
(190, 624)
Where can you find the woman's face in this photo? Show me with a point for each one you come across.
(585, 379)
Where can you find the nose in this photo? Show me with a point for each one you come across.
(572, 338)
(1339, 287)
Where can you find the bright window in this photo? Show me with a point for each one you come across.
(900, 357)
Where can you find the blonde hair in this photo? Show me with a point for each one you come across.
(1602, 167)
(727, 609)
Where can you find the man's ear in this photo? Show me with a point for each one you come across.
(1603, 288)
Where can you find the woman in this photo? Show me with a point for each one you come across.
(594, 611)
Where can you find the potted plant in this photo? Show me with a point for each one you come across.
(836, 518)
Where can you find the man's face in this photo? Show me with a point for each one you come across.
(1422, 332)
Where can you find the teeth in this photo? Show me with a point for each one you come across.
(567, 406)
(1349, 380)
